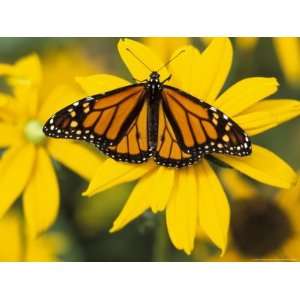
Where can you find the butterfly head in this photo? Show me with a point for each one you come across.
(154, 75)
(153, 83)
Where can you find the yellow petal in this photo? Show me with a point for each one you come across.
(28, 68)
(213, 207)
(231, 255)
(206, 40)
(148, 192)
(163, 177)
(29, 100)
(138, 70)
(8, 108)
(19, 106)
(139, 201)
(264, 166)
(4, 99)
(62, 65)
(9, 135)
(288, 52)
(6, 69)
(158, 196)
(15, 169)
(77, 157)
(45, 248)
(245, 93)
(236, 185)
(25, 77)
(291, 249)
(26, 71)
(185, 70)
(12, 247)
(99, 212)
(268, 114)
(33, 102)
(215, 65)
(182, 210)
(288, 199)
(99, 84)
(112, 173)
(41, 196)
(165, 46)
(59, 98)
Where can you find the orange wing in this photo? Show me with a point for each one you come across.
(117, 123)
(168, 152)
(134, 146)
(100, 119)
(201, 128)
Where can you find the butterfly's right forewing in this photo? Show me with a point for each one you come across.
(100, 119)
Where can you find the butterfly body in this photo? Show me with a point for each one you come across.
(150, 119)
(154, 88)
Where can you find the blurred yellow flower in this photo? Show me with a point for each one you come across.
(26, 165)
(193, 197)
(63, 65)
(165, 46)
(288, 52)
(244, 44)
(16, 247)
(262, 227)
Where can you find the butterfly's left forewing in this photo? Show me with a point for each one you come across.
(201, 128)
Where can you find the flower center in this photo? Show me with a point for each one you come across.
(33, 131)
(259, 227)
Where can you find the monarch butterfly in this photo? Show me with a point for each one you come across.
(150, 119)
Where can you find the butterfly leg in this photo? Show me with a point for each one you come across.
(167, 79)
(139, 81)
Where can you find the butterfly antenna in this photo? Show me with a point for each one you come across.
(138, 59)
(166, 64)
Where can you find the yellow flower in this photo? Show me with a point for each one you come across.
(165, 46)
(243, 44)
(26, 166)
(64, 65)
(246, 44)
(262, 227)
(288, 52)
(193, 197)
(15, 246)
